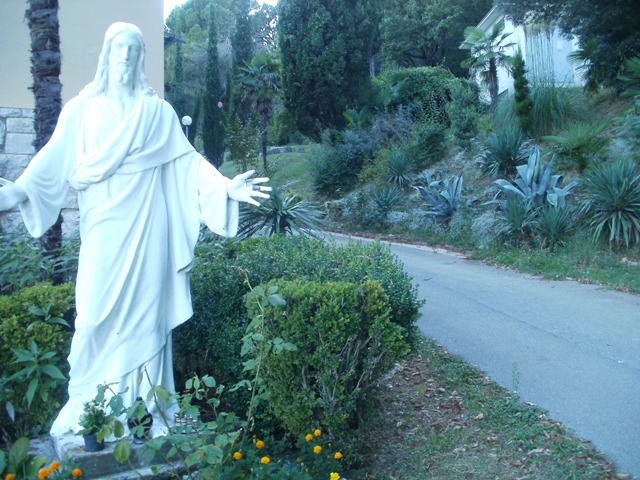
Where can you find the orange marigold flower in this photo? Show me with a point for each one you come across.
(265, 460)
(43, 473)
(317, 432)
(54, 467)
(259, 444)
(337, 456)
(76, 473)
(237, 455)
(309, 437)
(334, 476)
(10, 476)
(317, 449)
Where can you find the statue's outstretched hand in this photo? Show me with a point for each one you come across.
(10, 195)
(243, 188)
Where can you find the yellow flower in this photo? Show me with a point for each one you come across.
(337, 456)
(76, 473)
(317, 449)
(54, 467)
(265, 460)
(237, 455)
(334, 476)
(10, 476)
(259, 444)
(317, 432)
(43, 473)
(309, 437)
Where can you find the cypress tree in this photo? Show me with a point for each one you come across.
(212, 125)
(523, 102)
(325, 49)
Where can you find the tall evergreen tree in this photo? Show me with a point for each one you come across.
(212, 125)
(176, 96)
(242, 53)
(46, 64)
(522, 97)
(325, 49)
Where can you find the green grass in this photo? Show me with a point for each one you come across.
(290, 169)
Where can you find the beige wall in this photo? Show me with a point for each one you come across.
(82, 27)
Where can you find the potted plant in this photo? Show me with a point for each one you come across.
(99, 420)
(93, 421)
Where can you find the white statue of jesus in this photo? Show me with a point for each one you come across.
(142, 193)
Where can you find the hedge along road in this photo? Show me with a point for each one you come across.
(570, 348)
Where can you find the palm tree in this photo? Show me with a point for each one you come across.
(46, 61)
(259, 83)
(488, 52)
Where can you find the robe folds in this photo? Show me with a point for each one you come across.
(143, 192)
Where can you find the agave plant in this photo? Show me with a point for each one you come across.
(283, 214)
(442, 195)
(502, 151)
(612, 204)
(535, 184)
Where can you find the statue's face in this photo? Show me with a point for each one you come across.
(123, 57)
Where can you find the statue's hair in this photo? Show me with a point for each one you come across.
(101, 80)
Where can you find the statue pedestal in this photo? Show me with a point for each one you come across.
(69, 449)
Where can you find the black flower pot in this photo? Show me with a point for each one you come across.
(91, 443)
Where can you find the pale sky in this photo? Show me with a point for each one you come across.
(171, 4)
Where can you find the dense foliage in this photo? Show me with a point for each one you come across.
(210, 341)
(29, 315)
(427, 34)
(345, 341)
(325, 47)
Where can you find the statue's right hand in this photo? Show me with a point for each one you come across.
(11, 194)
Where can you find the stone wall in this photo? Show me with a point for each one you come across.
(16, 150)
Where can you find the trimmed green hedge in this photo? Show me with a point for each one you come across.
(345, 342)
(210, 342)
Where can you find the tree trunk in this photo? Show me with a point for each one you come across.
(493, 84)
(264, 118)
(46, 61)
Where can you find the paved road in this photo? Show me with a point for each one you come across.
(569, 348)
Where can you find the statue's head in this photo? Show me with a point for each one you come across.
(121, 59)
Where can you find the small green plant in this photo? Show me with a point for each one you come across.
(579, 143)
(100, 417)
(553, 224)
(518, 219)
(612, 202)
(400, 169)
(442, 195)
(284, 214)
(385, 198)
(503, 151)
(39, 372)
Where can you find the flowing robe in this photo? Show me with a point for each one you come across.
(142, 193)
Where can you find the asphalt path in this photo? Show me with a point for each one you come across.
(572, 349)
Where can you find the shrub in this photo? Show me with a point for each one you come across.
(503, 151)
(463, 111)
(553, 224)
(612, 204)
(400, 169)
(522, 97)
(579, 143)
(385, 197)
(428, 88)
(345, 341)
(20, 325)
(425, 145)
(209, 343)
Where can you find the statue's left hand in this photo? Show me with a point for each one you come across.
(243, 188)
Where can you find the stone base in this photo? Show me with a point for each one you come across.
(69, 449)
